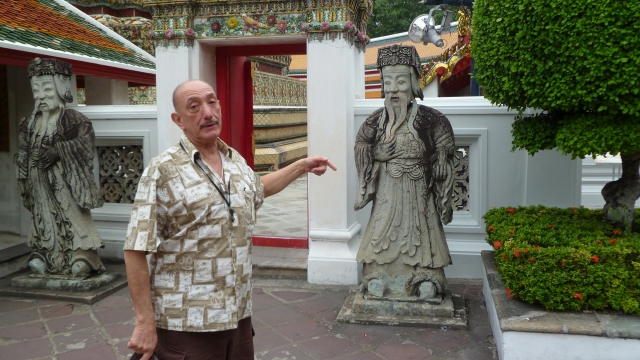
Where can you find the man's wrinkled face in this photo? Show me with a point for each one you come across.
(44, 93)
(198, 113)
(397, 84)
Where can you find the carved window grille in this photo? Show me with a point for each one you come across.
(120, 168)
(461, 179)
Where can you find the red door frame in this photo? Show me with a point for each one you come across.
(235, 92)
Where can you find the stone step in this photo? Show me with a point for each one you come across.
(280, 263)
(13, 259)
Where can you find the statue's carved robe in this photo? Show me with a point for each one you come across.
(60, 196)
(409, 206)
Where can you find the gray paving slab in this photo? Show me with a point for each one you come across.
(285, 213)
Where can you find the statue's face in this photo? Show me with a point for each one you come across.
(397, 82)
(44, 93)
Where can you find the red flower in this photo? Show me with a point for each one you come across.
(281, 26)
(573, 209)
(616, 232)
(551, 226)
(563, 264)
(536, 246)
(215, 27)
(595, 259)
(504, 256)
(497, 244)
(598, 241)
(491, 228)
(511, 231)
(526, 250)
(532, 260)
(516, 252)
(271, 20)
(511, 210)
(325, 26)
(577, 296)
(612, 241)
(509, 293)
(189, 32)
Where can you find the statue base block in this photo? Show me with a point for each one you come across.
(450, 312)
(85, 290)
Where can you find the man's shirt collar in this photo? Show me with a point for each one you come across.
(193, 151)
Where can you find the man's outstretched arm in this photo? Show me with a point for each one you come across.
(278, 180)
(144, 338)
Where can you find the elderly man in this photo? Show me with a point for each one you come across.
(194, 212)
(55, 176)
(404, 156)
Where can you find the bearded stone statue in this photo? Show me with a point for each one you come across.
(404, 158)
(55, 176)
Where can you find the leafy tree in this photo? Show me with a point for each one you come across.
(577, 64)
(394, 16)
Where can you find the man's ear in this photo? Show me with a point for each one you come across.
(177, 119)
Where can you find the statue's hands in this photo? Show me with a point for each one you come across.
(49, 157)
(386, 151)
(440, 170)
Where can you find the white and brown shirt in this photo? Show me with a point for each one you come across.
(200, 264)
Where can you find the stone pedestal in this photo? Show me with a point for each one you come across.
(446, 311)
(60, 287)
(63, 282)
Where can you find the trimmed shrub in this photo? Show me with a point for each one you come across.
(575, 62)
(565, 259)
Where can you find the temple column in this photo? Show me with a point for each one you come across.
(333, 229)
(175, 65)
(101, 91)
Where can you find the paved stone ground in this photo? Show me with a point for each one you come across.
(293, 320)
(285, 213)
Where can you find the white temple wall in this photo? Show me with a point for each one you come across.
(120, 125)
(497, 176)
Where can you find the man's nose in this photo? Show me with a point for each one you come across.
(208, 113)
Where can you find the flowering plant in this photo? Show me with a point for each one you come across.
(325, 26)
(565, 259)
(189, 32)
(271, 20)
(215, 27)
(281, 26)
(168, 34)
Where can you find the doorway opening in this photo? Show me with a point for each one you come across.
(270, 134)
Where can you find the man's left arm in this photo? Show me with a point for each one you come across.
(276, 181)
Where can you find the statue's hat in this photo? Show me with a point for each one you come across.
(399, 55)
(39, 67)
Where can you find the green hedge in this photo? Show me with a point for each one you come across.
(565, 259)
(575, 62)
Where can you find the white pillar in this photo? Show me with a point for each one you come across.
(101, 91)
(333, 228)
(173, 67)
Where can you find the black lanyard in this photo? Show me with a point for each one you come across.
(228, 202)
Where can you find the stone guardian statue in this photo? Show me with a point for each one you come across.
(404, 158)
(55, 176)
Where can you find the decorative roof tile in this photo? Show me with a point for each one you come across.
(49, 24)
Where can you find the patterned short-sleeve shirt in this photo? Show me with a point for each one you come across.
(200, 264)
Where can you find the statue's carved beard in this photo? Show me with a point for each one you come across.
(397, 113)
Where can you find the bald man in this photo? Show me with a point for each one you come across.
(194, 212)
